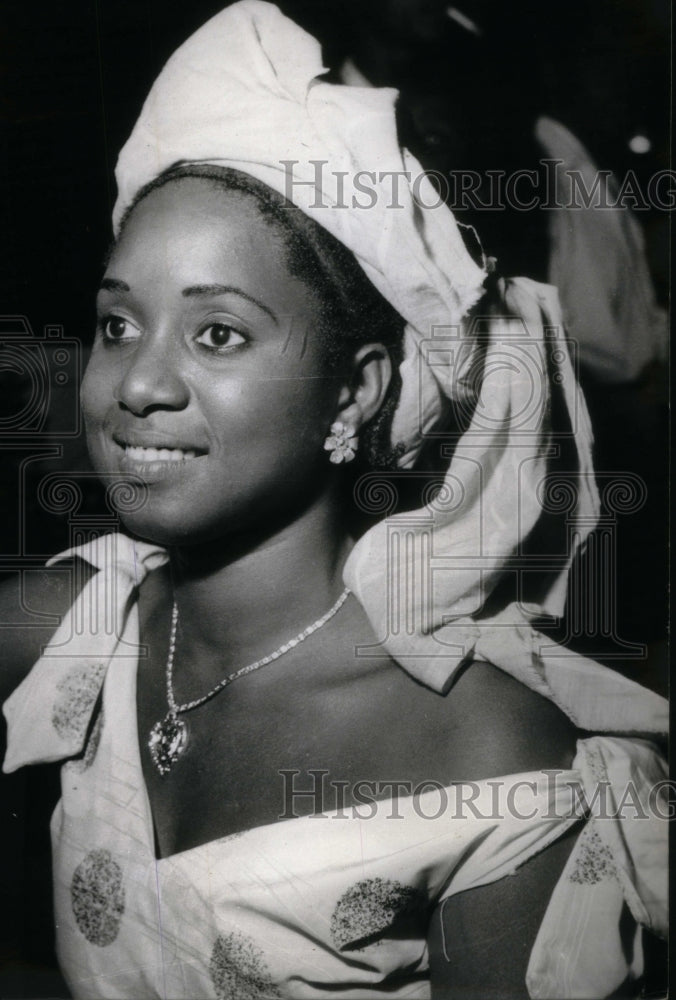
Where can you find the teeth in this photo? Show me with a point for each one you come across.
(158, 454)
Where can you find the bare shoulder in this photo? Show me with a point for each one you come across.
(502, 727)
(32, 605)
(487, 725)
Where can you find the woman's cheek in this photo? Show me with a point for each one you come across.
(95, 398)
(91, 388)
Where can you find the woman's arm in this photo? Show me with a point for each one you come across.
(480, 940)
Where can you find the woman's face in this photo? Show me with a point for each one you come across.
(207, 381)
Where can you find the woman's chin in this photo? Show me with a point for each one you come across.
(166, 532)
(175, 528)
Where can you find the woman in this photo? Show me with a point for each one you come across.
(276, 784)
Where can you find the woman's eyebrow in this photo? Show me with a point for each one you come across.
(225, 290)
(114, 285)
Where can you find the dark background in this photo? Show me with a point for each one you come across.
(74, 76)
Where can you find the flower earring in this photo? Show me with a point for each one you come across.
(342, 443)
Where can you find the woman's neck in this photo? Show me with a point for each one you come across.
(251, 594)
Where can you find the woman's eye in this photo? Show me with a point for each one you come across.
(115, 328)
(218, 336)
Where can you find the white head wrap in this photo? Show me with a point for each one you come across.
(245, 92)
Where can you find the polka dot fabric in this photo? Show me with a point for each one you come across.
(371, 907)
(76, 695)
(97, 897)
(238, 970)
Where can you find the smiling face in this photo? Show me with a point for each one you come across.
(207, 379)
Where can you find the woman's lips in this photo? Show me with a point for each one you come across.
(151, 463)
(136, 453)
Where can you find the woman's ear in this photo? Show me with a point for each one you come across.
(366, 387)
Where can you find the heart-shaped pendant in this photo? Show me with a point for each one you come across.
(168, 740)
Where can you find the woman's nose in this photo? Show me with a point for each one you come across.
(152, 380)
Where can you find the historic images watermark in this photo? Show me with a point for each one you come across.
(549, 794)
(548, 187)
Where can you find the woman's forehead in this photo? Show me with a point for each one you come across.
(192, 223)
(194, 202)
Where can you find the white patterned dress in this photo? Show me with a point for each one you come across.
(311, 907)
